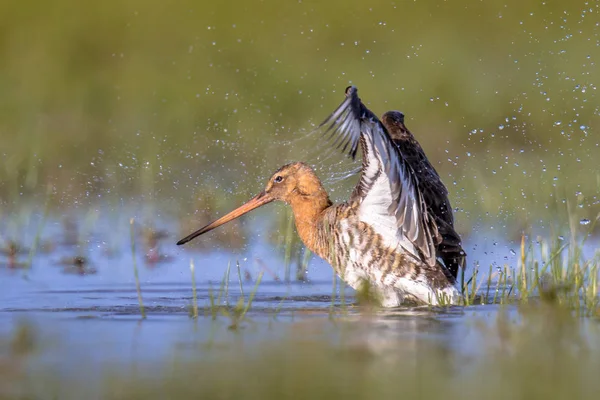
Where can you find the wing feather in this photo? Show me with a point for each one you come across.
(387, 193)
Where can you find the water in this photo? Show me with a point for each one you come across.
(58, 295)
(106, 283)
(82, 334)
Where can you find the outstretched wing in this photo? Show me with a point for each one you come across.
(387, 193)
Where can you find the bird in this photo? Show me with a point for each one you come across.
(386, 237)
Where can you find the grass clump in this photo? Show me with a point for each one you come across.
(220, 305)
(560, 273)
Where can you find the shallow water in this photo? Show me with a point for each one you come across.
(97, 314)
(106, 283)
(64, 334)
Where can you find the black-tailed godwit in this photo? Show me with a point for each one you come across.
(395, 233)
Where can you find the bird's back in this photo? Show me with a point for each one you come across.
(435, 193)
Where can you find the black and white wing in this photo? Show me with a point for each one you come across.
(435, 193)
(387, 193)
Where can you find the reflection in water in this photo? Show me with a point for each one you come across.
(410, 353)
(263, 267)
(12, 251)
(152, 239)
(77, 265)
(402, 335)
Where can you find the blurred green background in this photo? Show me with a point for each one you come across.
(192, 104)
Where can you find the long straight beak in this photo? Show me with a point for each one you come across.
(259, 200)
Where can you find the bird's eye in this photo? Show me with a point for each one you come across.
(278, 179)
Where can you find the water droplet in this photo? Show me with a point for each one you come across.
(501, 127)
(512, 252)
(584, 221)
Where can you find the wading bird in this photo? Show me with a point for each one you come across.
(396, 224)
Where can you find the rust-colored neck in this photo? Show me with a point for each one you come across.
(309, 212)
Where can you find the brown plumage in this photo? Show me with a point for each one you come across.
(384, 235)
(434, 191)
